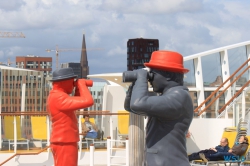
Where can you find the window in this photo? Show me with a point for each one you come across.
(150, 43)
(132, 49)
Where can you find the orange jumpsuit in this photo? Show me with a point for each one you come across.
(61, 107)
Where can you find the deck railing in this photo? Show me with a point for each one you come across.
(15, 128)
(24, 153)
(200, 111)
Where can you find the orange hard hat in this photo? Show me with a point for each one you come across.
(167, 61)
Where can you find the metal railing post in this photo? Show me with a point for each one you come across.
(127, 152)
(15, 134)
(91, 148)
(81, 137)
(108, 150)
(243, 104)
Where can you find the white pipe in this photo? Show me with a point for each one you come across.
(217, 106)
(48, 130)
(226, 113)
(127, 152)
(15, 135)
(243, 106)
(48, 134)
(80, 130)
(111, 126)
(108, 151)
(22, 108)
(92, 149)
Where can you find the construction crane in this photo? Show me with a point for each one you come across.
(11, 35)
(57, 50)
(8, 62)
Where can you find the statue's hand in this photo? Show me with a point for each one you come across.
(142, 74)
(130, 89)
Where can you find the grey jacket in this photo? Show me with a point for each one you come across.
(169, 117)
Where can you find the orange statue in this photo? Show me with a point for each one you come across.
(62, 107)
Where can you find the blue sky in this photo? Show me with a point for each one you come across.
(185, 26)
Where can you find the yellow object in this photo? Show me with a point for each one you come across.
(90, 119)
(9, 127)
(230, 135)
(123, 123)
(9, 131)
(39, 127)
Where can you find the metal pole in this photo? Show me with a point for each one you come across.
(108, 151)
(91, 148)
(111, 127)
(127, 152)
(48, 134)
(80, 130)
(243, 104)
(22, 118)
(15, 134)
(136, 137)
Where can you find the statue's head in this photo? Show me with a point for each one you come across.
(166, 66)
(167, 61)
(63, 74)
(64, 79)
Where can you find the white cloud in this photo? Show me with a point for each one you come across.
(94, 37)
(1, 54)
(116, 51)
(149, 8)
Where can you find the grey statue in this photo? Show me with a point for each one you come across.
(169, 111)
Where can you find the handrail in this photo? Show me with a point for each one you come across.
(230, 105)
(222, 92)
(236, 94)
(18, 154)
(211, 95)
(248, 110)
(46, 113)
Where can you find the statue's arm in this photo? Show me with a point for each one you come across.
(170, 105)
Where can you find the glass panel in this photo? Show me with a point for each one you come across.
(247, 99)
(211, 70)
(236, 58)
(210, 111)
(193, 95)
(189, 78)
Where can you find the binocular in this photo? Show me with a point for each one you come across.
(131, 76)
(89, 83)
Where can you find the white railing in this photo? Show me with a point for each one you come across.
(91, 151)
(234, 106)
(111, 155)
(198, 67)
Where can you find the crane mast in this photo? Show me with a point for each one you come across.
(57, 50)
